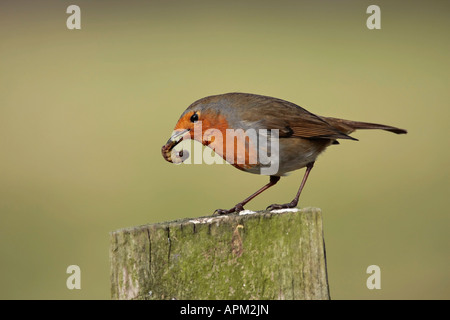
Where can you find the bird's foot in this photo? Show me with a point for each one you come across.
(235, 209)
(291, 204)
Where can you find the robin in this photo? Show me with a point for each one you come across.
(300, 136)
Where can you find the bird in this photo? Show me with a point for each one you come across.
(301, 136)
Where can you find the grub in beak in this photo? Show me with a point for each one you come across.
(171, 155)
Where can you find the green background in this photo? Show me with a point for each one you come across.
(84, 113)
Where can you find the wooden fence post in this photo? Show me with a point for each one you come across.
(262, 255)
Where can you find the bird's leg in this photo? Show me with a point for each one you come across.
(240, 205)
(294, 202)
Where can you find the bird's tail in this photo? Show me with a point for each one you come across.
(349, 126)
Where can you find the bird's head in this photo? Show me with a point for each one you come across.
(200, 122)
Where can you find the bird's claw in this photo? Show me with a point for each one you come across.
(281, 206)
(236, 209)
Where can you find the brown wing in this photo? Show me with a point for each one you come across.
(290, 119)
(314, 127)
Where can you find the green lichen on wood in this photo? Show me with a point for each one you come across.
(256, 256)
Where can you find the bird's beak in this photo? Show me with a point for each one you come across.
(175, 139)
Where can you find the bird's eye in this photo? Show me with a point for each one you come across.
(194, 117)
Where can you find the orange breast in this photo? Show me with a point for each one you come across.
(235, 146)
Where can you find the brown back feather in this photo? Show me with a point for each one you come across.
(349, 126)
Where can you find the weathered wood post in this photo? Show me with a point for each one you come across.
(263, 255)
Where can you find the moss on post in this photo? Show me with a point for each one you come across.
(262, 255)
